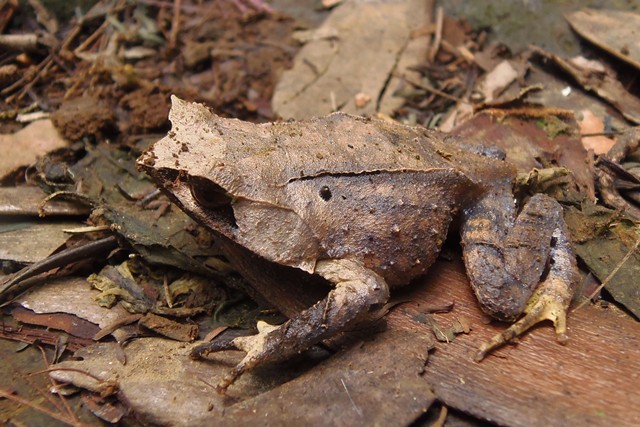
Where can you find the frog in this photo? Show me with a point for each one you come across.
(366, 204)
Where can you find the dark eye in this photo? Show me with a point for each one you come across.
(207, 193)
(325, 193)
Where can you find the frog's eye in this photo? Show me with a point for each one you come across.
(325, 193)
(207, 193)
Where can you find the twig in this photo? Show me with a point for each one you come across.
(39, 408)
(214, 333)
(437, 37)
(442, 417)
(175, 24)
(44, 17)
(167, 292)
(430, 89)
(46, 66)
(20, 42)
(50, 396)
(97, 33)
(20, 81)
(62, 258)
(116, 324)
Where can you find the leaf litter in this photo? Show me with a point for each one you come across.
(117, 68)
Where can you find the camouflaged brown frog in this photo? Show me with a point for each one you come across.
(366, 204)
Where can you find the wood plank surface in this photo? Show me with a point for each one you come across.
(592, 380)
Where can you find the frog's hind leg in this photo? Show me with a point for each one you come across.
(357, 291)
(525, 265)
(549, 301)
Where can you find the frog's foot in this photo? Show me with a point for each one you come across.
(256, 347)
(550, 300)
(357, 291)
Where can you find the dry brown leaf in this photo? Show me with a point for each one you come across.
(590, 124)
(497, 80)
(23, 147)
(612, 30)
(327, 74)
(72, 295)
(33, 240)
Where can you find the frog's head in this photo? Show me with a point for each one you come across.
(188, 166)
(219, 172)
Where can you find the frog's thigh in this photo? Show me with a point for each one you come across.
(357, 290)
(505, 263)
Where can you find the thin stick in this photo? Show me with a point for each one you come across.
(175, 23)
(42, 409)
(97, 33)
(431, 89)
(60, 259)
(437, 37)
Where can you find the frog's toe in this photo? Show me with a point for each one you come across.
(357, 292)
(550, 301)
(203, 350)
(259, 348)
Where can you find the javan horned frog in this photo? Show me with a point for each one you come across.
(365, 204)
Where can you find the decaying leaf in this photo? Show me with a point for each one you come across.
(603, 239)
(534, 138)
(615, 31)
(23, 147)
(32, 240)
(328, 73)
(73, 295)
(27, 201)
(604, 84)
(141, 290)
(357, 384)
(590, 124)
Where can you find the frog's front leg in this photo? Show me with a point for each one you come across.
(357, 291)
(519, 265)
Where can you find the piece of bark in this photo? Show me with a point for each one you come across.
(169, 328)
(61, 321)
(589, 381)
(74, 295)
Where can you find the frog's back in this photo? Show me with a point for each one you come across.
(334, 145)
